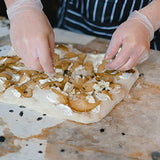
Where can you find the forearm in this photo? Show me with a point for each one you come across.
(152, 12)
(9, 2)
(15, 7)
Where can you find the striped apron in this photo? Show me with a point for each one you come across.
(99, 17)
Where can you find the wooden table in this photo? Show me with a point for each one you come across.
(130, 132)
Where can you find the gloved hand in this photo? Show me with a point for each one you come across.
(31, 34)
(133, 36)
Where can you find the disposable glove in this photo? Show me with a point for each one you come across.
(133, 36)
(31, 34)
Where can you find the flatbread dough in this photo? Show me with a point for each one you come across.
(51, 99)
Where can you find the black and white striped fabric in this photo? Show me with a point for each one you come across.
(99, 17)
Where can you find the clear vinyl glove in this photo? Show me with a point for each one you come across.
(31, 34)
(133, 38)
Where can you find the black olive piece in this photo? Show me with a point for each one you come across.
(141, 74)
(62, 150)
(22, 106)
(123, 134)
(102, 130)
(39, 118)
(65, 72)
(155, 155)
(2, 138)
(21, 113)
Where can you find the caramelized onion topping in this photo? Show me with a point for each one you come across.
(26, 80)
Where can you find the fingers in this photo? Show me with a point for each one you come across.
(51, 45)
(28, 52)
(120, 59)
(128, 65)
(144, 57)
(139, 56)
(36, 65)
(37, 54)
(132, 62)
(133, 37)
(45, 56)
(129, 57)
(135, 59)
(33, 42)
(113, 47)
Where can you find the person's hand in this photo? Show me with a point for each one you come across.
(32, 36)
(133, 37)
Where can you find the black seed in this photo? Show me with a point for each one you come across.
(62, 150)
(26, 144)
(65, 71)
(81, 76)
(141, 74)
(40, 144)
(39, 118)
(21, 113)
(22, 106)
(0, 50)
(25, 92)
(44, 114)
(2, 139)
(11, 110)
(40, 152)
(102, 130)
(155, 155)
(123, 134)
